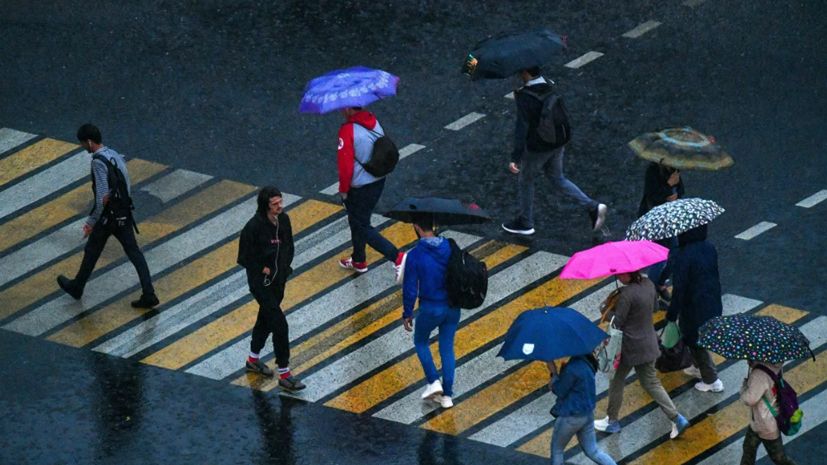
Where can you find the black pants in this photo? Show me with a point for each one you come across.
(97, 241)
(775, 449)
(271, 320)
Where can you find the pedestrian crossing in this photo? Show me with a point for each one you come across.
(348, 344)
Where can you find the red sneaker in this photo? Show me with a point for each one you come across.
(349, 264)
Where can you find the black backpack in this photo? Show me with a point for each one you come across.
(467, 279)
(118, 208)
(554, 127)
(383, 158)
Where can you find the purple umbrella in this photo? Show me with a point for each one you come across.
(353, 87)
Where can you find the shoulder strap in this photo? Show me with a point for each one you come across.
(371, 130)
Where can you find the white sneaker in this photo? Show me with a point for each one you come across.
(601, 425)
(446, 402)
(717, 386)
(693, 371)
(433, 389)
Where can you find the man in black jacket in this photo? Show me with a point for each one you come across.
(532, 155)
(265, 251)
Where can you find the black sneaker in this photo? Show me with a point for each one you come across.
(258, 367)
(518, 226)
(291, 384)
(68, 287)
(598, 216)
(146, 301)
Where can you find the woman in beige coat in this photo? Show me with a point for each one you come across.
(762, 426)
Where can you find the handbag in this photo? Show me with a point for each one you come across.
(674, 358)
(608, 354)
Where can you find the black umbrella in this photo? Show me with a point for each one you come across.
(507, 54)
(447, 212)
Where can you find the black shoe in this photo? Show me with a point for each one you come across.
(598, 216)
(291, 384)
(68, 287)
(518, 226)
(258, 367)
(146, 301)
(665, 294)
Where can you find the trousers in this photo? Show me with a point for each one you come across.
(775, 449)
(648, 377)
(702, 359)
(271, 320)
(446, 319)
(566, 428)
(360, 203)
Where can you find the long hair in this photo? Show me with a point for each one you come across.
(264, 195)
(635, 277)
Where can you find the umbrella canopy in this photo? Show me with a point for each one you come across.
(673, 218)
(682, 148)
(447, 212)
(613, 258)
(345, 88)
(507, 54)
(760, 338)
(550, 333)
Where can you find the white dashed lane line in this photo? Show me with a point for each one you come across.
(583, 60)
(465, 121)
(754, 231)
(405, 151)
(813, 200)
(642, 29)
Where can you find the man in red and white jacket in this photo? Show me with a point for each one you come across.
(360, 190)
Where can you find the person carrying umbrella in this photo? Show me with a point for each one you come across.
(757, 394)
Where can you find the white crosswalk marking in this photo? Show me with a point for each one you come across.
(9, 138)
(642, 29)
(756, 230)
(470, 118)
(175, 184)
(43, 184)
(398, 341)
(583, 60)
(813, 200)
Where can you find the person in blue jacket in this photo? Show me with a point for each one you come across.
(574, 410)
(425, 277)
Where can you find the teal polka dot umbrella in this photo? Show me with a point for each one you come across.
(759, 338)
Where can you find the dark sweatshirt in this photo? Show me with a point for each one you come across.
(529, 110)
(657, 189)
(265, 245)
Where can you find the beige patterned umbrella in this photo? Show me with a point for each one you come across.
(682, 148)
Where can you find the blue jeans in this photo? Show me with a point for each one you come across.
(445, 318)
(360, 204)
(583, 426)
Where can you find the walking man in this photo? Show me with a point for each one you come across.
(425, 278)
(110, 216)
(265, 250)
(533, 155)
(360, 191)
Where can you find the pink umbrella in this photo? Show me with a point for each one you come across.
(613, 258)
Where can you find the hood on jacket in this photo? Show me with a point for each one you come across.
(437, 248)
(693, 235)
(364, 118)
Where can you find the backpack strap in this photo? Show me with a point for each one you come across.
(775, 378)
(368, 129)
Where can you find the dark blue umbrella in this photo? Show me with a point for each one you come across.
(446, 212)
(550, 333)
(504, 55)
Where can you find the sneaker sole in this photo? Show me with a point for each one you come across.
(291, 389)
(433, 395)
(601, 216)
(525, 232)
(258, 372)
(353, 268)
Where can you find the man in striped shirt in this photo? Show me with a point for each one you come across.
(104, 221)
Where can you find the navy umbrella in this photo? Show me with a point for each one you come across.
(507, 54)
(447, 212)
(550, 333)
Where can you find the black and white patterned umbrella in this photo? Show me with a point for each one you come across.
(673, 218)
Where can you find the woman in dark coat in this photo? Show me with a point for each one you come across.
(663, 184)
(696, 299)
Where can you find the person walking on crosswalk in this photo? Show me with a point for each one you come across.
(265, 250)
(360, 191)
(425, 278)
(533, 154)
(111, 215)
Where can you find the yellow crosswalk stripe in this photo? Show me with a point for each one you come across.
(635, 398)
(76, 202)
(362, 324)
(242, 319)
(469, 338)
(40, 285)
(180, 281)
(32, 157)
(730, 420)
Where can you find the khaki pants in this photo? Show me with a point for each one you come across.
(648, 377)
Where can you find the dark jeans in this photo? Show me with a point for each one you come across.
(702, 360)
(271, 320)
(360, 204)
(97, 241)
(775, 449)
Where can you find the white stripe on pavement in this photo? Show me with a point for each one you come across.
(813, 200)
(310, 317)
(398, 341)
(465, 121)
(535, 416)
(43, 184)
(510, 95)
(816, 408)
(330, 190)
(175, 184)
(756, 230)
(404, 152)
(9, 138)
(221, 294)
(583, 60)
(123, 277)
(642, 29)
